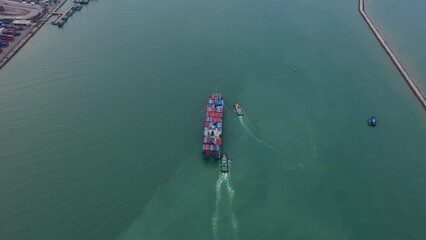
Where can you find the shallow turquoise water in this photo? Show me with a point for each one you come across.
(101, 125)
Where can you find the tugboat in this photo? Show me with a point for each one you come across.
(372, 121)
(238, 109)
(224, 163)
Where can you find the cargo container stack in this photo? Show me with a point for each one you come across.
(3, 44)
(213, 125)
(7, 34)
(8, 38)
(11, 32)
(15, 28)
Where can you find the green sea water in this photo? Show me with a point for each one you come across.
(101, 125)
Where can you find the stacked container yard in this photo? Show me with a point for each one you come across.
(212, 140)
(8, 33)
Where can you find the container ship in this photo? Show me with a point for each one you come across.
(212, 139)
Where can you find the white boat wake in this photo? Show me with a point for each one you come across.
(289, 163)
(243, 120)
(250, 132)
(223, 183)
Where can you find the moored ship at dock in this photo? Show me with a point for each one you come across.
(213, 125)
(81, 1)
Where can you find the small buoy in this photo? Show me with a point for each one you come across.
(294, 69)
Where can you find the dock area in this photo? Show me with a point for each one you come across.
(420, 96)
(63, 17)
(9, 48)
(14, 47)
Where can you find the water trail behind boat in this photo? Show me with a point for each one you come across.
(244, 120)
(241, 119)
(223, 183)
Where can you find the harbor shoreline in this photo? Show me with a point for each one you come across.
(7, 57)
(411, 84)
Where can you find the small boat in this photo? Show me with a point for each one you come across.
(238, 109)
(224, 163)
(78, 7)
(372, 121)
(61, 23)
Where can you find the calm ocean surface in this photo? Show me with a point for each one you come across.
(101, 123)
